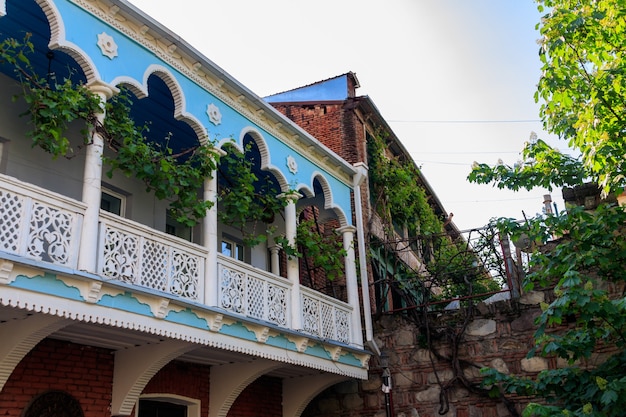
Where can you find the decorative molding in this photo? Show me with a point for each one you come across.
(261, 332)
(107, 45)
(301, 342)
(292, 165)
(209, 81)
(91, 291)
(94, 313)
(6, 267)
(214, 320)
(161, 308)
(215, 116)
(334, 351)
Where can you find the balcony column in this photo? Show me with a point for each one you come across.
(92, 184)
(352, 286)
(274, 259)
(210, 237)
(293, 264)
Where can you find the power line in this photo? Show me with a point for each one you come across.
(465, 121)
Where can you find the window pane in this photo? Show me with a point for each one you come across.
(227, 248)
(111, 203)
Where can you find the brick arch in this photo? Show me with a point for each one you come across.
(228, 381)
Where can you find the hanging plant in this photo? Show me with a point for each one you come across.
(247, 202)
(54, 104)
(326, 252)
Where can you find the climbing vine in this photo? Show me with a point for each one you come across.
(54, 104)
(247, 202)
(324, 250)
(452, 269)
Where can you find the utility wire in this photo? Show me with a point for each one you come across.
(465, 121)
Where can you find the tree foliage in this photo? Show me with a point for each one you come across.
(583, 94)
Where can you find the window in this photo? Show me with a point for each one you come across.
(175, 228)
(4, 148)
(113, 202)
(151, 408)
(232, 249)
(167, 405)
(54, 403)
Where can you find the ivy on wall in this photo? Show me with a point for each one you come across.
(54, 104)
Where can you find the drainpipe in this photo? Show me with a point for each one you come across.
(358, 179)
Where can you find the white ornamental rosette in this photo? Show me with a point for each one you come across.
(107, 45)
(215, 116)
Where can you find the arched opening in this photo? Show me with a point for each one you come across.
(322, 265)
(249, 207)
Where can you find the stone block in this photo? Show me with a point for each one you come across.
(402, 380)
(535, 364)
(443, 375)
(422, 356)
(499, 365)
(404, 338)
(481, 327)
(525, 322)
(428, 395)
(532, 297)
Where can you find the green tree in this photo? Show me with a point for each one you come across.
(583, 94)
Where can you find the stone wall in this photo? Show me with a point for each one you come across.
(498, 336)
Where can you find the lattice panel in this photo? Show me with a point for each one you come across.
(310, 315)
(121, 255)
(255, 298)
(277, 305)
(50, 234)
(11, 208)
(184, 280)
(154, 259)
(342, 325)
(232, 290)
(328, 322)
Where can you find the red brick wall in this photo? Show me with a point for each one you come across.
(84, 372)
(262, 398)
(337, 128)
(185, 379)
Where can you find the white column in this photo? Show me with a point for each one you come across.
(352, 286)
(210, 238)
(293, 269)
(274, 259)
(358, 179)
(92, 186)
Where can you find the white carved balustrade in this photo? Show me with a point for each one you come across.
(39, 224)
(325, 316)
(136, 254)
(252, 292)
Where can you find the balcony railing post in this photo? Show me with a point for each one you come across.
(92, 186)
(210, 240)
(293, 269)
(352, 286)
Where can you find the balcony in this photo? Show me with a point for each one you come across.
(45, 227)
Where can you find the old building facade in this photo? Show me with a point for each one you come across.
(109, 304)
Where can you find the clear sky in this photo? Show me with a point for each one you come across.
(454, 78)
